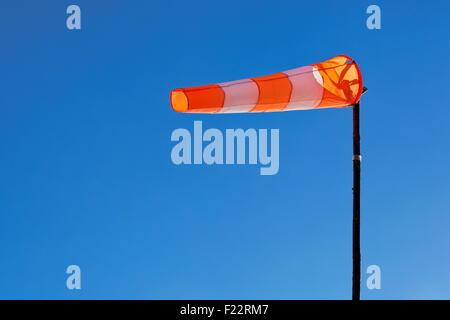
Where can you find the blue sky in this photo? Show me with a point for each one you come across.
(87, 179)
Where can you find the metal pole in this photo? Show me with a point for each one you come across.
(356, 283)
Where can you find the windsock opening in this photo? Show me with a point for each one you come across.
(178, 100)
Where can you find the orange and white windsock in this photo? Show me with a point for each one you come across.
(334, 83)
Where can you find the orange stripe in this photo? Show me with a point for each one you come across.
(204, 99)
(274, 92)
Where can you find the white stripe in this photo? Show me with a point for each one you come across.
(240, 96)
(307, 88)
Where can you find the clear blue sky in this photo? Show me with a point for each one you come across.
(86, 176)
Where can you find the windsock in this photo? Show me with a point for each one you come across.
(335, 83)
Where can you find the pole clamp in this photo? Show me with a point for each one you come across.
(357, 157)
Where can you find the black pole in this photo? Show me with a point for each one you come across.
(356, 283)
